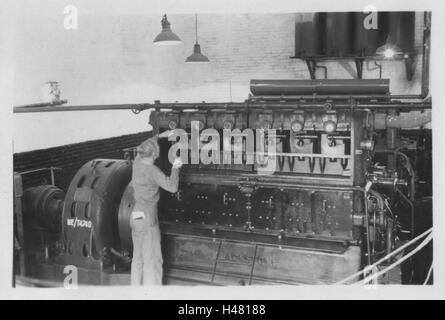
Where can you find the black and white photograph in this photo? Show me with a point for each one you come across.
(156, 145)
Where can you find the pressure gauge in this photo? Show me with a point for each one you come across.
(297, 126)
(228, 124)
(172, 125)
(329, 126)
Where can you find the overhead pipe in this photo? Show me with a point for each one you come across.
(28, 109)
(409, 120)
(315, 97)
(333, 87)
(136, 108)
(403, 120)
(319, 97)
(43, 104)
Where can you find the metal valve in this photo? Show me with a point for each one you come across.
(332, 142)
(300, 142)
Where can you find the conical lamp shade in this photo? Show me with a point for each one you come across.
(166, 37)
(197, 56)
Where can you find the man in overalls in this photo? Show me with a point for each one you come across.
(146, 266)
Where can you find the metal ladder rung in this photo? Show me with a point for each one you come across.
(253, 264)
(216, 260)
(234, 263)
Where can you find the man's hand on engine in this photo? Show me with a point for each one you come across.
(177, 163)
(165, 134)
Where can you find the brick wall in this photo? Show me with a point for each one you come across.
(71, 157)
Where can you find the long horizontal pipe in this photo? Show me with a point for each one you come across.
(231, 106)
(316, 97)
(44, 104)
(319, 86)
(76, 108)
(409, 120)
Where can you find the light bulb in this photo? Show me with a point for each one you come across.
(388, 53)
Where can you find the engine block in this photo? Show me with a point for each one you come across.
(313, 218)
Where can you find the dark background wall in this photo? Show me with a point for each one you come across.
(71, 157)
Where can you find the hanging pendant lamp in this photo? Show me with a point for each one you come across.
(197, 56)
(166, 37)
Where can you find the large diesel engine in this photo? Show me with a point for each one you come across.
(339, 198)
